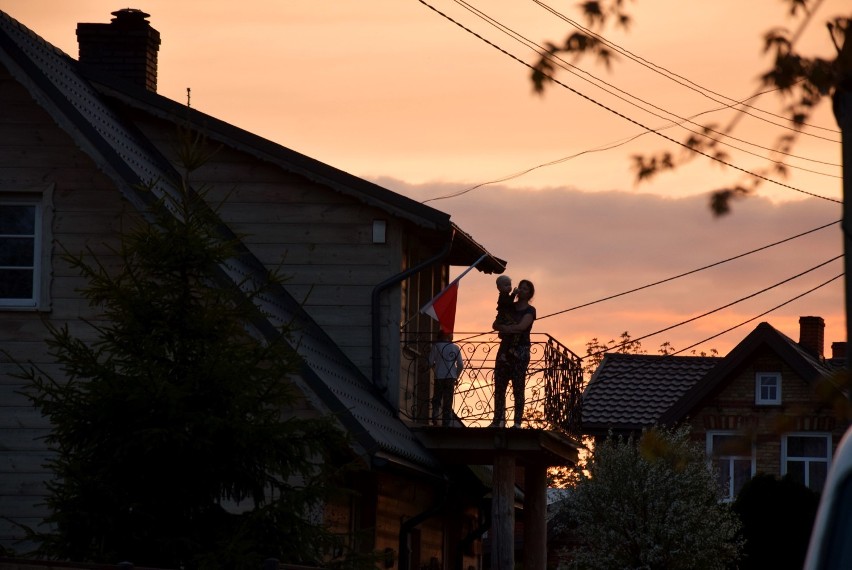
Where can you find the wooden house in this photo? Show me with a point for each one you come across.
(768, 406)
(77, 138)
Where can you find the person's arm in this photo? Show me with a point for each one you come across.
(524, 324)
(459, 361)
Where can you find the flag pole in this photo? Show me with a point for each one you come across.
(450, 284)
(466, 271)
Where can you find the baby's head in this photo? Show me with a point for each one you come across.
(504, 284)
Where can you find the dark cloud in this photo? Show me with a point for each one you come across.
(580, 246)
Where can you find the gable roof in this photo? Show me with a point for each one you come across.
(764, 335)
(85, 112)
(632, 391)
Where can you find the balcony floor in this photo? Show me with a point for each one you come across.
(479, 446)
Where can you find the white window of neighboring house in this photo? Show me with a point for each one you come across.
(767, 389)
(24, 256)
(805, 457)
(733, 457)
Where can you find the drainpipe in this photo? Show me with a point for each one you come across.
(376, 322)
(406, 527)
(472, 536)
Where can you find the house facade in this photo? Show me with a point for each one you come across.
(771, 405)
(78, 142)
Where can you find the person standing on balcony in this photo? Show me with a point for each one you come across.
(513, 356)
(446, 360)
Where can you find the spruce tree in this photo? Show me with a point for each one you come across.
(175, 440)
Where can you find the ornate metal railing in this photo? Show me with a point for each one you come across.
(554, 383)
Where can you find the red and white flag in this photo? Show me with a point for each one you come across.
(443, 307)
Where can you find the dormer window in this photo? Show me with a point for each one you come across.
(767, 389)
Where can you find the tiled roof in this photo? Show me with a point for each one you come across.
(630, 391)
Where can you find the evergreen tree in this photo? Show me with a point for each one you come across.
(175, 438)
(651, 504)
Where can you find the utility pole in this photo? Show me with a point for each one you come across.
(842, 103)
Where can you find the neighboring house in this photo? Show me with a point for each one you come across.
(76, 141)
(765, 407)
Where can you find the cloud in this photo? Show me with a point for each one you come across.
(578, 247)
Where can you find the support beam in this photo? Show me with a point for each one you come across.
(535, 517)
(503, 513)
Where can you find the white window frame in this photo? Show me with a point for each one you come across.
(759, 400)
(785, 457)
(714, 458)
(42, 199)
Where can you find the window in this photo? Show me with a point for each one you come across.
(767, 390)
(23, 253)
(733, 457)
(805, 457)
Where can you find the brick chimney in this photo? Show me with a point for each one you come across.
(812, 335)
(838, 350)
(124, 49)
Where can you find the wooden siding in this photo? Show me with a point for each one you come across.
(399, 499)
(318, 239)
(35, 152)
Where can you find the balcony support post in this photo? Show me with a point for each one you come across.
(535, 516)
(503, 513)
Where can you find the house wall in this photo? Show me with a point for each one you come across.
(734, 408)
(382, 501)
(415, 386)
(35, 154)
(319, 240)
(434, 542)
(87, 214)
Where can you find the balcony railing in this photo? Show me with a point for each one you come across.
(553, 383)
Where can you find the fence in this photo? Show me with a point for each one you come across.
(554, 382)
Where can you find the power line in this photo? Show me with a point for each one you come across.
(676, 77)
(690, 272)
(602, 148)
(637, 365)
(709, 266)
(671, 140)
(625, 117)
(763, 314)
(726, 306)
(568, 67)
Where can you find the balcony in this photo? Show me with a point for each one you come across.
(553, 384)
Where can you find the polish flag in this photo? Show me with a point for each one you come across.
(443, 307)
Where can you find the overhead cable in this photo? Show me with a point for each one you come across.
(570, 68)
(690, 272)
(676, 77)
(728, 305)
(625, 117)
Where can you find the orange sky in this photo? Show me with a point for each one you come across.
(393, 92)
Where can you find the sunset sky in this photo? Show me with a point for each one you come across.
(394, 92)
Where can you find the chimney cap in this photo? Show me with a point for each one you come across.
(130, 16)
